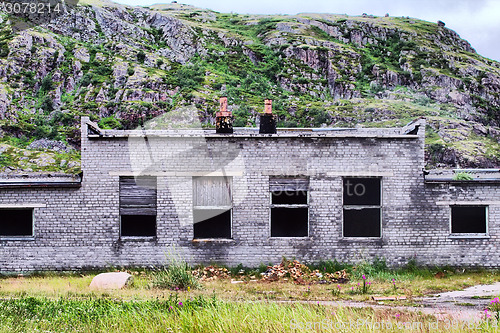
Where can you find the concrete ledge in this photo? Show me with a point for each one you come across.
(479, 176)
(177, 173)
(138, 238)
(39, 180)
(23, 205)
(468, 236)
(167, 134)
(212, 240)
(17, 239)
(366, 173)
(449, 180)
(468, 203)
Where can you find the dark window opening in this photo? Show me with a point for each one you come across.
(468, 220)
(289, 222)
(212, 223)
(289, 206)
(289, 197)
(362, 207)
(138, 225)
(362, 191)
(16, 222)
(362, 222)
(138, 206)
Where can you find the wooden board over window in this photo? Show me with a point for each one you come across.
(291, 184)
(138, 195)
(212, 192)
(212, 205)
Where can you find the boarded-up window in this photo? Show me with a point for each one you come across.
(289, 206)
(16, 222)
(212, 206)
(362, 207)
(138, 206)
(469, 219)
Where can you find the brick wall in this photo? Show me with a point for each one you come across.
(79, 228)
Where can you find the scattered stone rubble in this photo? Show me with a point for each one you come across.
(211, 273)
(301, 274)
(49, 144)
(285, 271)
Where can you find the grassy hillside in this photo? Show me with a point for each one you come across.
(123, 65)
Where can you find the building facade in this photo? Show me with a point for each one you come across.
(250, 198)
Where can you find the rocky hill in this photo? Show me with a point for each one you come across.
(123, 65)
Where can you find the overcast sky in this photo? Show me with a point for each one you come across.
(477, 21)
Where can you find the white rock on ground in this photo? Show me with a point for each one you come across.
(116, 280)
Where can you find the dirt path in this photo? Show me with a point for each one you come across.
(468, 302)
(463, 305)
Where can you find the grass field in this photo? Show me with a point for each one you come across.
(61, 302)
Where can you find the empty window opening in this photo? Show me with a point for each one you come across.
(468, 219)
(138, 206)
(16, 222)
(362, 191)
(362, 222)
(289, 206)
(362, 207)
(289, 222)
(212, 223)
(138, 225)
(212, 207)
(289, 197)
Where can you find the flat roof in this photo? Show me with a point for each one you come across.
(37, 180)
(410, 131)
(462, 176)
(386, 133)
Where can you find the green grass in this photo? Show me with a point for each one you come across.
(177, 275)
(411, 281)
(194, 315)
(63, 302)
(463, 176)
(15, 155)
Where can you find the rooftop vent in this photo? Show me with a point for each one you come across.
(224, 118)
(268, 120)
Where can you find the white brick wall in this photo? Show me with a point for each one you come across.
(79, 228)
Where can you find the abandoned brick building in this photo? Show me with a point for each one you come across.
(249, 196)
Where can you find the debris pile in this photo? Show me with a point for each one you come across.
(338, 277)
(301, 274)
(211, 273)
(285, 271)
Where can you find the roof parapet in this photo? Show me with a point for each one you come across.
(40, 180)
(452, 176)
(412, 128)
(90, 128)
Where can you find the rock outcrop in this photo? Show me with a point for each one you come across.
(121, 64)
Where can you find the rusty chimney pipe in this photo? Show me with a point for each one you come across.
(267, 120)
(268, 106)
(223, 118)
